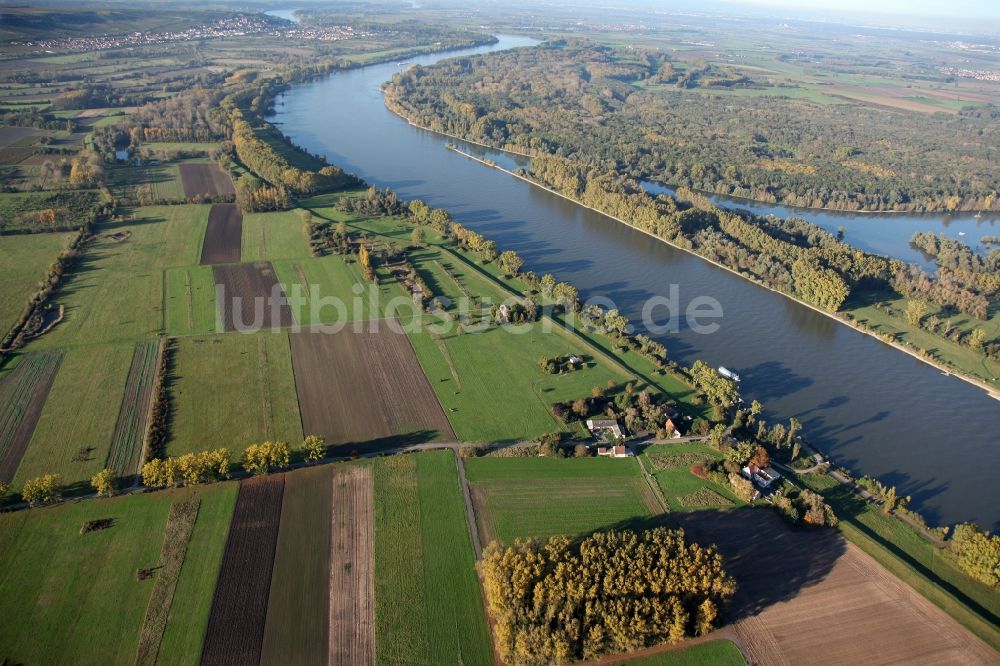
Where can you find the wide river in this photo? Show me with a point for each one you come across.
(874, 409)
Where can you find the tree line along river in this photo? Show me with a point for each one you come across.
(872, 408)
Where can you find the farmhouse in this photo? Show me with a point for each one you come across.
(762, 477)
(620, 451)
(674, 424)
(605, 429)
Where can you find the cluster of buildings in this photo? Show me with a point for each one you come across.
(239, 25)
(978, 74)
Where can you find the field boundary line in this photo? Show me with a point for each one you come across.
(470, 510)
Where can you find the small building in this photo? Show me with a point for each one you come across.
(762, 477)
(674, 424)
(620, 451)
(503, 313)
(605, 429)
(575, 360)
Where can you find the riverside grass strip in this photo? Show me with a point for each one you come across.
(23, 392)
(125, 454)
(177, 535)
(235, 633)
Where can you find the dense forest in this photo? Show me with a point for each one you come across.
(633, 112)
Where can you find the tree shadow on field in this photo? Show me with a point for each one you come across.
(770, 560)
(381, 444)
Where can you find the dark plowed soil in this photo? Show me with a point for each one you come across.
(251, 298)
(361, 386)
(22, 396)
(239, 608)
(224, 235)
(205, 179)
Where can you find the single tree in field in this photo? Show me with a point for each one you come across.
(314, 447)
(104, 482)
(915, 311)
(977, 338)
(417, 237)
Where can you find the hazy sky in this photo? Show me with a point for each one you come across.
(987, 9)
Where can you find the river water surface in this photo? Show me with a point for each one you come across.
(874, 409)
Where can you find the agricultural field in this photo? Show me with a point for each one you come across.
(232, 390)
(146, 184)
(23, 392)
(223, 236)
(239, 607)
(116, 290)
(191, 306)
(428, 602)
(74, 432)
(671, 465)
(328, 290)
(466, 369)
(274, 236)
(297, 626)
(205, 179)
(45, 554)
(252, 297)
(799, 591)
(719, 652)
(125, 457)
(357, 386)
(24, 262)
(540, 497)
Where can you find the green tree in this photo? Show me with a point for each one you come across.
(417, 237)
(915, 311)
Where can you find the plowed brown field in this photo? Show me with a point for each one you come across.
(223, 236)
(352, 577)
(205, 179)
(252, 298)
(235, 631)
(23, 392)
(810, 597)
(360, 386)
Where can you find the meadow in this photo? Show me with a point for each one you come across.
(232, 390)
(540, 497)
(24, 261)
(47, 559)
(428, 604)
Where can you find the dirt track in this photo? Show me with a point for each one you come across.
(261, 300)
(235, 631)
(352, 575)
(810, 597)
(359, 386)
(205, 179)
(223, 236)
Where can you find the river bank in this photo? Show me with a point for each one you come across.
(975, 381)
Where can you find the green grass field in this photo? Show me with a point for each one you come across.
(670, 465)
(79, 204)
(148, 183)
(191, 306)
(428, 604)
(958, 355)
(540, 497)
(232, 390)
(73, 435)
(913, 559)
(713, 653)
(189, 611)
(47, 562)
(493, 382)
(116, 291)
(24, 260)
(272, 236)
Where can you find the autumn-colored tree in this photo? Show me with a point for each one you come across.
(265, 457)
(978, 552)
(41, 489)
(103, 482)
(510, 263)
(563, 600)
(314, 447)
(760, 457)
(742, 487)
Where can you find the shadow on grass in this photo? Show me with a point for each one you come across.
(382, 444)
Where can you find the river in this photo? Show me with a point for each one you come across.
(873, 408)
